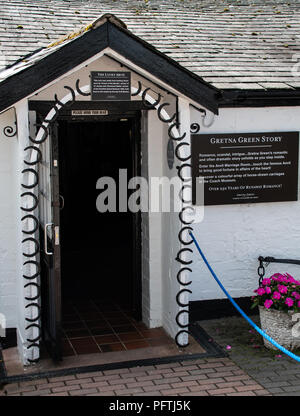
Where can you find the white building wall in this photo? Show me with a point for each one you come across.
(8, 277)
(152, 285)
(233, 236)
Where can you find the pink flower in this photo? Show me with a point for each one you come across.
(268, 290)
(276, 295)
(268, 303)
(289, 302)
(278, 356)
(296, 295)
(266, 281)
(277, 277)
(228, 347)
(292, 280)
(288, 275)
(261, 291)
(282, 289)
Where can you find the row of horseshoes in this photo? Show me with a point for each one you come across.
(30, 190)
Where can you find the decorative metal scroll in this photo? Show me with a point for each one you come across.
(10, 131)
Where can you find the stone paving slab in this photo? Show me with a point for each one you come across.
(201, 377)
(275, 371)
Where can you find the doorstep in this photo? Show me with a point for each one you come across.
(168, 352)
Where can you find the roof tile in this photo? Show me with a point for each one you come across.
(248, 44)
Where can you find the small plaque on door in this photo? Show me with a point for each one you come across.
(89, 113)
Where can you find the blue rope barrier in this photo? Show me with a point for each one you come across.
(260, 331)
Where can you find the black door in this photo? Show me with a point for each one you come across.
(50, 245)
(100, 251)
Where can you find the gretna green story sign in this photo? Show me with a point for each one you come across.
(246, 167)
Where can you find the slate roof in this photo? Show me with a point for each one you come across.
(232, 44)
(48, 64)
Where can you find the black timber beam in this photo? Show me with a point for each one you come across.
(52, 66)
(259, 98)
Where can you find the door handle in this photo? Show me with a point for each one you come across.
(50, 224)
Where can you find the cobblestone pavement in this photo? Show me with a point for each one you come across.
(204, 377)
(279, 374)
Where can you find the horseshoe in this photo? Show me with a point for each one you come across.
(85, 94)
(39, 312)
(34, 205)
(181, 194)
(178, 276)
(44, 137)
(182, 159)
(179, 168)
(69, 103)
(39, 155)
(165, 120)
(177, 297)
(38, 267)
(180, 215)
(186, 243)
(57, 102)
(177, 319)
(138, 90)
(183, 261)
(36, 178)
(38, 290)
(146, 102)
(36, 224)
(177, 139)
(183, 331)
(34, 340)
(37, 246)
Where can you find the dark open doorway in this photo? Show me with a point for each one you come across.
(100, 252)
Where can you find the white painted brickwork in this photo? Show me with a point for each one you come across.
(8, 145)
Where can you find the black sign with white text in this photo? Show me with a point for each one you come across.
(246, 167)
(110, 86)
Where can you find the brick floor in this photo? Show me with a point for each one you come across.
(204, 377)
(276, 372)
